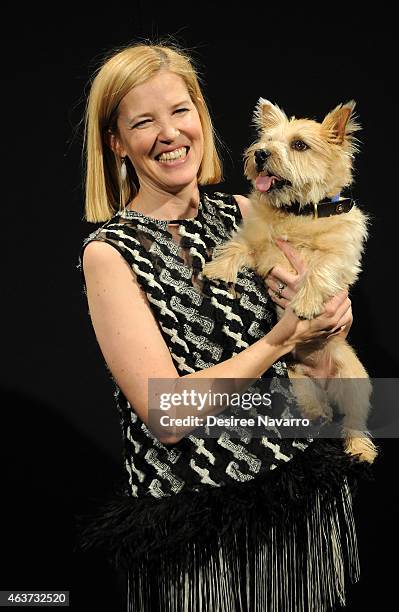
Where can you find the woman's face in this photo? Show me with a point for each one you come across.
(161, 133)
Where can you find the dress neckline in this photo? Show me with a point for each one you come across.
(135, 214)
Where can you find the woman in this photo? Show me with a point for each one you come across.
(231, 522)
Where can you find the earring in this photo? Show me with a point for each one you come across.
(123, 169)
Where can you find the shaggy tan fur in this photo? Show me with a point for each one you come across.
(319, 167)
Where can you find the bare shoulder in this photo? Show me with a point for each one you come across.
(102, 258)
(244, 204)
(98, 251)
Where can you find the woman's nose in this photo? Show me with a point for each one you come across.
(168, 132)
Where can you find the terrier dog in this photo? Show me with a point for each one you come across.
(298, 168)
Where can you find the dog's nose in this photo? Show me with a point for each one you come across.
(261, 156)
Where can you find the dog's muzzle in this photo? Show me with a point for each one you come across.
(261, 156)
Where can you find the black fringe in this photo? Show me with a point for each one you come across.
(128, 529)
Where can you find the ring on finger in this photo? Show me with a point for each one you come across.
(280, 289)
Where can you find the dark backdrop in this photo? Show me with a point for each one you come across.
(60, 444)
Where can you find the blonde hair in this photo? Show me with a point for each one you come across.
(119, 73)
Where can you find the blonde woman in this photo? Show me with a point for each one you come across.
(232, 522)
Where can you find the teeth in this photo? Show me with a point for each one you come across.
(177, 154)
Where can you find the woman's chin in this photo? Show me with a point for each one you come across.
(181, 179)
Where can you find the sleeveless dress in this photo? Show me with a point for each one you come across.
(235, 522)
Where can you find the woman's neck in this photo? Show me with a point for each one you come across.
(163, 205)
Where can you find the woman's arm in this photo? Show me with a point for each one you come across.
(244, 204)
(133, 346)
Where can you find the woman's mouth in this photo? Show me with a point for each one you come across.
(171, 158)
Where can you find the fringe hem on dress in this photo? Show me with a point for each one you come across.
(284, 542)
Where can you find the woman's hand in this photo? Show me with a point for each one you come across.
(292, 332)
(291, 282)
(283, 285)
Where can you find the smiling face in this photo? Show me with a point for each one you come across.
(159, 129)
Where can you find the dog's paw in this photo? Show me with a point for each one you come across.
(228, 259)
(224, 264)
(216, 269)
(359, 445)
(306, 306)
(210, 270)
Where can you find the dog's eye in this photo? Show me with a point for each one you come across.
(299, 145)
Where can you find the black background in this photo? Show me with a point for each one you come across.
(60, 443)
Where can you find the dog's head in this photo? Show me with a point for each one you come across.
(300, 159)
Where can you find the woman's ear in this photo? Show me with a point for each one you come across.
(114, 144)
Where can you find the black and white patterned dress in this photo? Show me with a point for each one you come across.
(236, 522)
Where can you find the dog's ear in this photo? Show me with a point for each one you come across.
(340, 123)
(267, 115)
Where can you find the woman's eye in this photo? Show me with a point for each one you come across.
(140, 123)
(299, 145)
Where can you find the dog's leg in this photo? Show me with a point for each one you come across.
(323, 280)
(227, 260)
(311, 397)
(350, 390)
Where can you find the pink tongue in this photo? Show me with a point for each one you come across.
(263, 183)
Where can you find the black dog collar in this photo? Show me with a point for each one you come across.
(325, 208)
